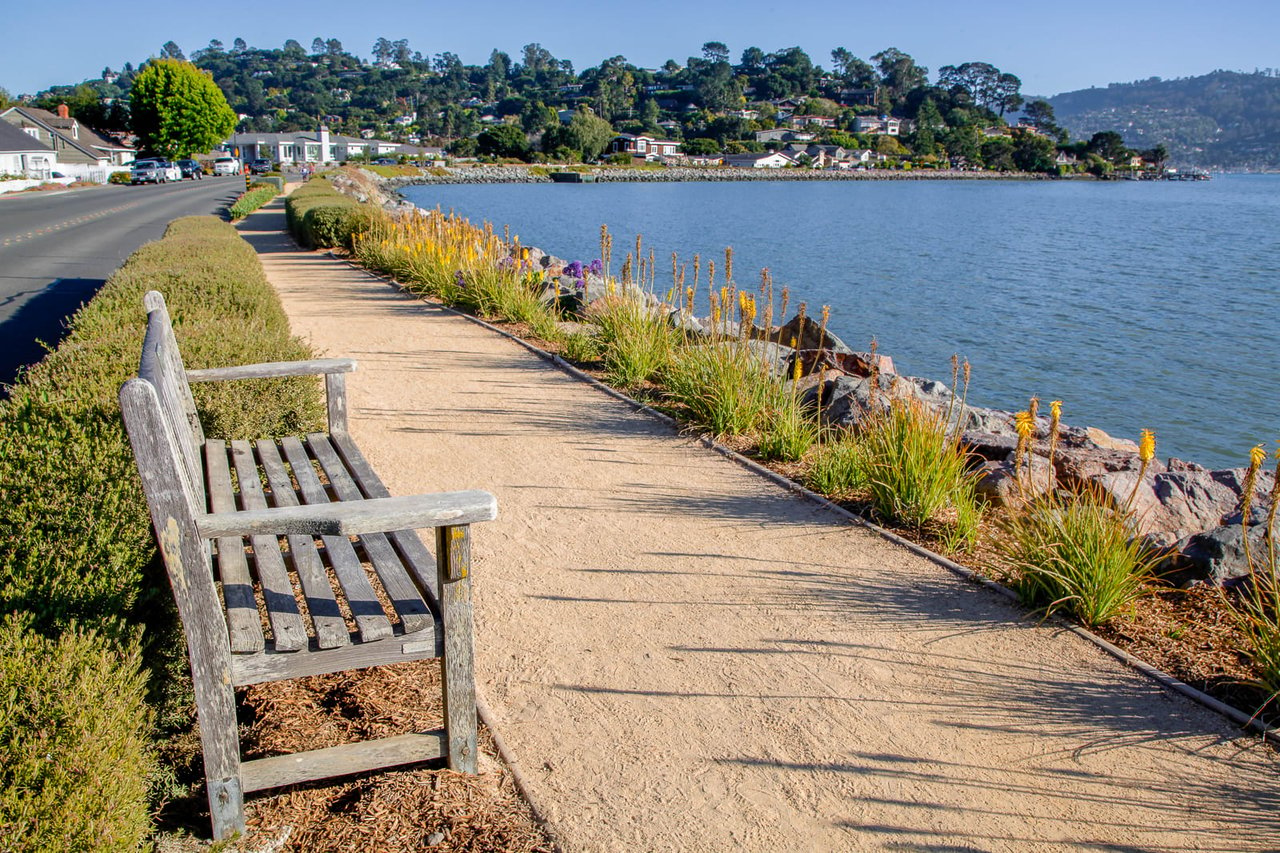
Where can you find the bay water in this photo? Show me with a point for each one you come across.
(1138, 304)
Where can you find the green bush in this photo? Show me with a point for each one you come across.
(321, 217)
(74, 758)
(119, 178)
(637, 343)
(258, 195)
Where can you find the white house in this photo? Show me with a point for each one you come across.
(23, 155)
(767, 160)
(805, 121)
(304, 147)
(877, 125)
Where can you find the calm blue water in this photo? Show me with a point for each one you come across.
(1137, 304)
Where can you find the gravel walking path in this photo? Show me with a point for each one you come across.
(684, 656)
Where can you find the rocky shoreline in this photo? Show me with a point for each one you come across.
(486, 174)
(1187, 511)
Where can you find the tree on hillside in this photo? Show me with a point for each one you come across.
(503, 140)
(586, 133)
(177, 110)
(851, 70)
(170, 50)
(899, 75)
(1108, 145)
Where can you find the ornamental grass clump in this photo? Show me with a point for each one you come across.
(1075, 552)
(636, 344)
(1257, 609)
(445, 256)
(839, 469)
(918, 475)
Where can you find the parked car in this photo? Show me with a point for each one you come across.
(226, 166)
(149, 172)
(191, 169)
(260, 166)
(384, 161)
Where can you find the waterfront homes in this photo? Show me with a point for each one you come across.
(643, 146)
(767, 160)
(74, 144)
(314, 147)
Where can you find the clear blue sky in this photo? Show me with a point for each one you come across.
(1053, 46)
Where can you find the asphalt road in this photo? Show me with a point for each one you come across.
(57, 249)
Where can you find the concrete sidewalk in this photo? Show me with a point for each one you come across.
(686, 657)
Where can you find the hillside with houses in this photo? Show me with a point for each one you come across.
(766, 110)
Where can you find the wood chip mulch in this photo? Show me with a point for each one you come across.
(409, 809)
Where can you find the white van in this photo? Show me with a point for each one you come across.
(226, 166)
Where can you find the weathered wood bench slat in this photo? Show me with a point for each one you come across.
(289, 632)
(405, 597)
(274, 666)
(416, 555)
(281, 770)
(204, 492)
(273, 370)
(243, 621)
(362, 601)
(330, 627)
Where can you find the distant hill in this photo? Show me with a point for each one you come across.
(1222, 120)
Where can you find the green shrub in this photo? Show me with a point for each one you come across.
(258, 195)
(1080, 554)
(321, 217)
(918, 475)
(119, 178)
(74, 758)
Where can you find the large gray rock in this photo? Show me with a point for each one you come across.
(812, 337)
(1216, 556)
(846, 400)
(1000, 486)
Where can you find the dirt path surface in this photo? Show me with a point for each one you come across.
(683, 656)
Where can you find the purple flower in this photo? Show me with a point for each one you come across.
(457, 277)
(573, 269)
(597, 267)
(580, 284)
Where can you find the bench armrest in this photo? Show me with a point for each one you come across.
(273, 369)
(351, 518)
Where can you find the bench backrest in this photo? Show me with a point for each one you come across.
(160, 417)
(161, 366)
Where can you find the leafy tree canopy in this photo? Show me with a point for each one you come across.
(177, 110)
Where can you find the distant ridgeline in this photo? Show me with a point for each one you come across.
(1222, 120)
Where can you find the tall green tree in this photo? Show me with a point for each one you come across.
(177, 110)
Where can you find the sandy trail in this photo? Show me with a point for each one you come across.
(683, 656)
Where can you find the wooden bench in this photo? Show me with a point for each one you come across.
(268, 545)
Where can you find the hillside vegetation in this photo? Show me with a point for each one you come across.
(1225, 119)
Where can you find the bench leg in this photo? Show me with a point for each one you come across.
(453, 568)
